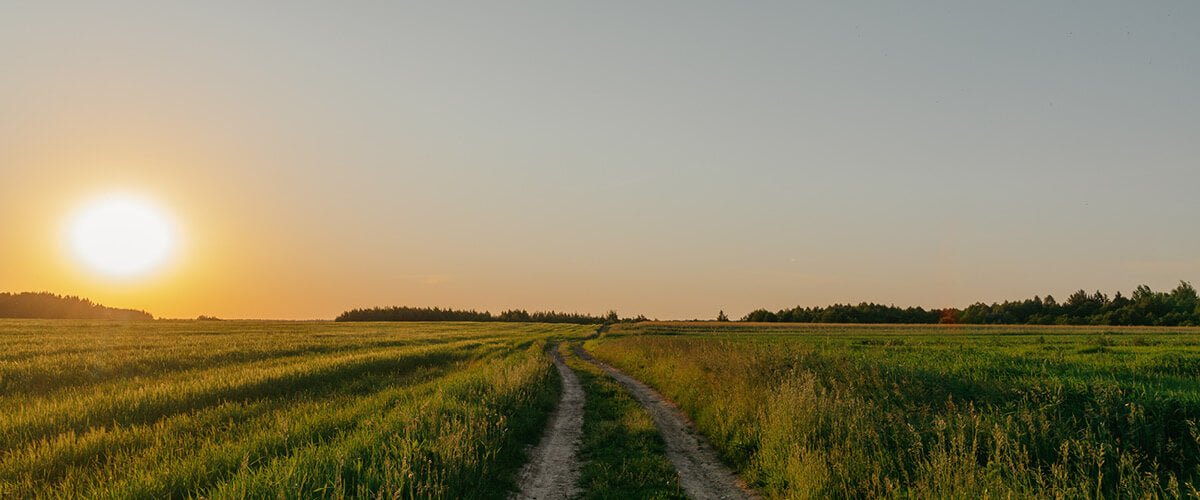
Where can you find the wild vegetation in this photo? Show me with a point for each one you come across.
(1144, 307)
(270, 409)
(234, 409)
(402, 313)
(934, 412)
(43, 305)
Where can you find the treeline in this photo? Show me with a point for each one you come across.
(1178, 307)
(45, 305)
(846, 313)
(401, 313)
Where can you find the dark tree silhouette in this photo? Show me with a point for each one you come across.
(401, 313)
(1179, 307)
(45, 305)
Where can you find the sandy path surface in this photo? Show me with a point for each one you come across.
(553, 469)
(701, 474)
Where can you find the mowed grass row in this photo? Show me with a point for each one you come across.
(410, 410)
(311, 412)
(852, 412)
(43, 356)
(147, 401)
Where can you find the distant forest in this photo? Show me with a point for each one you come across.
(514, 315)
(1179, 307)
(45, 305)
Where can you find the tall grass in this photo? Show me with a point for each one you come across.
(853, 413)
(261, 409)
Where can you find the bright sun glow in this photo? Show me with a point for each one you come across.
(121, 236)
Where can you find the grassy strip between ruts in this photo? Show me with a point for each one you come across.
(622, 452)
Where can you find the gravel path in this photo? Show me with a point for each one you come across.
(553, 470)
(702, 475)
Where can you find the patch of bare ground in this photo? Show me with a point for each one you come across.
(553, 469)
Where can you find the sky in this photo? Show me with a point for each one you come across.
(670, 159)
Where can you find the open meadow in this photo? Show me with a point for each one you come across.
(834, 411)
(270, 409)
(247, 409)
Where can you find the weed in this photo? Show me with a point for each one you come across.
(263, 409)
(803, 414)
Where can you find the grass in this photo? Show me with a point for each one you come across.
(934, 412)
(270, 409)
(181, 409)
(623, 454)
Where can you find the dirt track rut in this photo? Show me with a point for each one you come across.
(553, 470)
(702, 475)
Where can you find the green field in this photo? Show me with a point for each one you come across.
(448, 410)
(270, 409)
(934, 412)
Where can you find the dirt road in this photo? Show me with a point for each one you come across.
(553, 469)
(701, 474)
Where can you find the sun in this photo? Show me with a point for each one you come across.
(121, 236)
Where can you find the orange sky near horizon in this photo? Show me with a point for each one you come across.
(668, 160)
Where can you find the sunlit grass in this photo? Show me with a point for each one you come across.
(261, 409)
(851, 412)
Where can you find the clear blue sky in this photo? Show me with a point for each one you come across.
(670, 159)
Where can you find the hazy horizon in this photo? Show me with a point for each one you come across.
(670, 160)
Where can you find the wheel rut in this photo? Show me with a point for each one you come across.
(702, 475)
(553, 469)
